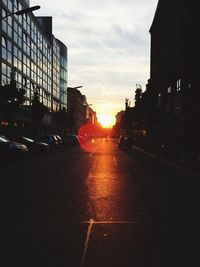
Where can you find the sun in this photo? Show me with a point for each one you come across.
(106, 120)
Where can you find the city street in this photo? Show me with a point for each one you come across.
(103, 207)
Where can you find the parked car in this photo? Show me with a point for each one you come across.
(82, 139)
(70, 139)
(50, 139)
(10, 149)
(59, 139)
(33, 146)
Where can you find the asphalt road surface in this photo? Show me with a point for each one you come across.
(103, 207)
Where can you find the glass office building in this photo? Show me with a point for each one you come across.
(30, 51)
(63, 74)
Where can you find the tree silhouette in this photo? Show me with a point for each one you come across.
(38, 111)
(138, 94)
(11, 100)
(61, 118)
(37, 108)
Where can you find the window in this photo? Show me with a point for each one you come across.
(24, 82)
(9, 57)
(20, 31)
(3, 79)
(10, 6)
(19, 78)
(9, 20)
(19, 65)
(20, 41)
(15, 61)
(169, 90)
(178, 85)
(19, 55)
(159, 99)
(15, 51)
(4, 53)
(3, 66)
(4, 41)
(15, 27)
(9, 31)
(15, 37)
(16, 3)
(9, 46)
(4, 26)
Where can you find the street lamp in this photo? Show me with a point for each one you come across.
(75, 87)
(22, 11)
(62, 93)
(69, 88)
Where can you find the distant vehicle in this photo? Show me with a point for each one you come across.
(82, 139)
(123, 141)
(70, 139)
(33, 146)
(9, 149)
(50, 139)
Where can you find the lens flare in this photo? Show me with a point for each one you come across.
(87, 136)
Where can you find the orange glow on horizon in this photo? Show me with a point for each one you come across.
(106, 120)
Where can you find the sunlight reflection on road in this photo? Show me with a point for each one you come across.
(110, 194)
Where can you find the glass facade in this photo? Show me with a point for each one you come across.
(63, 83)
(63, 74)
(35, 58)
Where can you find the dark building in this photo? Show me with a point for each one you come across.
(119, 124)
(39, 60)
(76, 108)
(174, 83)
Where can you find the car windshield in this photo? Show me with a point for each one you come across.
(55, 137)
(3, 139)
(27, 139)
(58, 137)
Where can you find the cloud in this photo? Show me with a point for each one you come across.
(108, 45)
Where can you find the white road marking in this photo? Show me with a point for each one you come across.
(90, 222)
(115, 161)
(93, 152)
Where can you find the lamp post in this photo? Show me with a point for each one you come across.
(62, 93)
(21, 12)
(76, 87)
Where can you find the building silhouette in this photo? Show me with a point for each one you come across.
(28, 46)
(173, 91)
(78, 110)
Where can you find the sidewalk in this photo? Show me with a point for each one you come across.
(165, 162)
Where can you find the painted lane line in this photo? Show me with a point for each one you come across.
(87, 241)
(93, 152)
(115, 161)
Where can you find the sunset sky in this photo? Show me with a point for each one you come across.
(108, 46)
